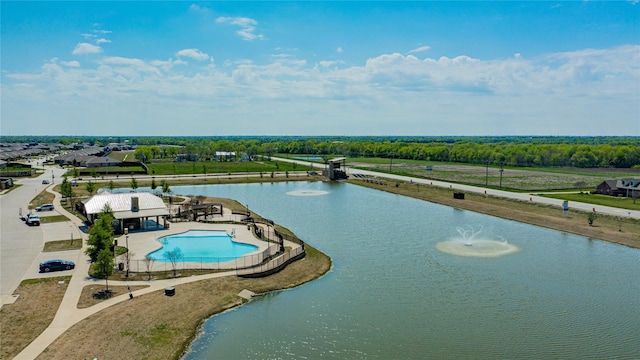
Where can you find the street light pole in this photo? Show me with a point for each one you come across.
(486, 179)
(126, 237)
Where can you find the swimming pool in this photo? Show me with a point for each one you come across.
(201, 246)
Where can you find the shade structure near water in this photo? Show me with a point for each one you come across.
(393, 294)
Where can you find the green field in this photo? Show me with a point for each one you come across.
(53, 219)
(524, 179)
(596, 199)
(221, 167)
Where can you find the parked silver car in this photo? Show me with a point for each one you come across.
(45, 207)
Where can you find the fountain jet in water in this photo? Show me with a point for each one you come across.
(469, 244)
(468, 234)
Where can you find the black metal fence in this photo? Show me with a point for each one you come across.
(203, 263)
(267, 261)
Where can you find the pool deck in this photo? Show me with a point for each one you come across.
(143, 242)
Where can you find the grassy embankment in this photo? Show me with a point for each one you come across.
(607, 228)
(596, 199)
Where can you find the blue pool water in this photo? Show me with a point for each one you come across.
(202, 246)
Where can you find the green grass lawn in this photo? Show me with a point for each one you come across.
(597, 199)
(218, 167)
(53, 219)
(61, 245)
(110, 170)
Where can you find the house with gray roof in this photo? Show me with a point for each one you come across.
(103, 161)
(628, 187)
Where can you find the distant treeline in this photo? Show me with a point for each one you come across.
(545, 151)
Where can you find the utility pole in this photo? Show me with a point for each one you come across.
(486, 179)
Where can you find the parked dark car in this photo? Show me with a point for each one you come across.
(55, 265)
(45, 207)
(45, 182)
(33, 220)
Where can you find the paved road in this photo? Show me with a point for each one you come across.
(20, 245)
(480, 190)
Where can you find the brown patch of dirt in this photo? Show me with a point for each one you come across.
(91, 294)
(35, 308)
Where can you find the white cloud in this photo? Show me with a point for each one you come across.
(193, 53)
(199, 9)
(569, 90)
(70, 63)
(419, 49)
(86, 48)
(168, 64)
(247, 27)
(339, 50)
(102, 40)
(326, 63)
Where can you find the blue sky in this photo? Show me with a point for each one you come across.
(320, 68)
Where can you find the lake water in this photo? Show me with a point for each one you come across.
(393, 294)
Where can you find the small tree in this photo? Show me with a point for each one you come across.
(111, 185)
(104, 266)
(174, 256)
(148, 262)
(153, 184)
(65, 188)
(91, 187)
(165, 187)
(592, 217)
(75, 172)
(100, 235)
(580, 185)
(134, 183)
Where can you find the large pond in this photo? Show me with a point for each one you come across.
(399, 291)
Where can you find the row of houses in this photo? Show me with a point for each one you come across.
(81, 157)
(15, 151)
